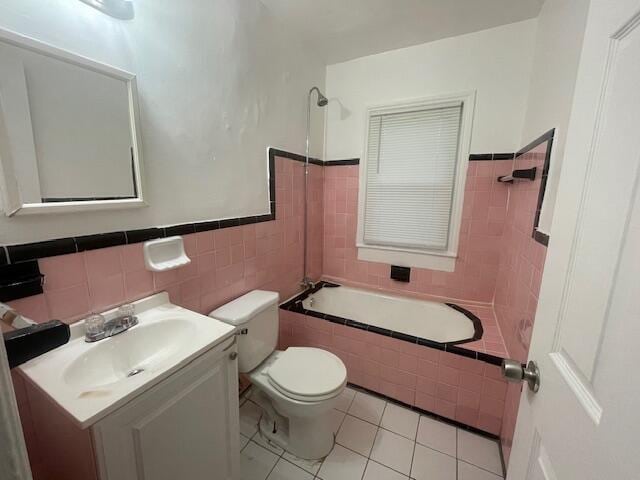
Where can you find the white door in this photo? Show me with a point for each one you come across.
(186, 427)
(585, 420)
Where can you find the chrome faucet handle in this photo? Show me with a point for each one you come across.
(127, 315)
(95, 327)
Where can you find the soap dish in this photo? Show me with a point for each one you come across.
(165, 254)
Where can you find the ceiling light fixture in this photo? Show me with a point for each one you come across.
(121, 9)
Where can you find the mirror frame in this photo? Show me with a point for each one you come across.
(10, 184)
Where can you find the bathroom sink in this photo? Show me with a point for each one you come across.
(130, 353)
(90, 380)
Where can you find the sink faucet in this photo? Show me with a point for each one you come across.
(97, 328)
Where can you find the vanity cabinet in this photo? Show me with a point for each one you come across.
(186, 427)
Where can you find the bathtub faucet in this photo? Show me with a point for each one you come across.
(306, 283)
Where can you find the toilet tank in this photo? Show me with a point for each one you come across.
(255, 316)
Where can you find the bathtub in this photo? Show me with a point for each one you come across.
(402, 317)
(412, 351)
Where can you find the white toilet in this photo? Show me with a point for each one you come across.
(296, 388)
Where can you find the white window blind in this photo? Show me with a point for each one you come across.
(411, 172)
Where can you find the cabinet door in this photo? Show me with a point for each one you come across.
(186, 427)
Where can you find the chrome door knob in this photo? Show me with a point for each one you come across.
(514, 371)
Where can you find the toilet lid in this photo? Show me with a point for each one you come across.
(304, 373)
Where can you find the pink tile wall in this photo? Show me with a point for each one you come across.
(519, 278)
(225, 263)
(476, 270)
(456, 387)
(498, 263)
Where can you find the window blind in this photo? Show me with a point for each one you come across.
(410, 177)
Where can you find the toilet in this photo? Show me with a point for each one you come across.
(297, 388)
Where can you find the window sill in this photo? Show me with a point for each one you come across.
(445, 261)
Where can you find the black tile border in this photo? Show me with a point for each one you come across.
(48, 248)
(548, 137)
(484, 157)
(477, 324)
(184, 229)
(4, 257)
(295, 305)
(294, 156)
(102, 240)
(340, 163)
(424, 412)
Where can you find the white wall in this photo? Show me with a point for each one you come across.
(559, 36)
(219, 81)
(495, 62)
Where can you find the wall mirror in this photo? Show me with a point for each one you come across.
(69, 131)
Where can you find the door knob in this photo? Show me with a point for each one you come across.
(517, 372)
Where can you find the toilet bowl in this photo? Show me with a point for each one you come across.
(297, 388)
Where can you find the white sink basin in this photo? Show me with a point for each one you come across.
(138, 349)
(90, 380)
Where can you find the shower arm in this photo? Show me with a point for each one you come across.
(322, 101)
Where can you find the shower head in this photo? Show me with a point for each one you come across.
(322, 100)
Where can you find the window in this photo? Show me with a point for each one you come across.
(413, 181)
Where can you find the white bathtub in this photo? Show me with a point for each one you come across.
(420, 318)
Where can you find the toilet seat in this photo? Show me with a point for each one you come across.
(307, 374)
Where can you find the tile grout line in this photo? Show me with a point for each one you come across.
(368, 458)
(413, 455)
(457, 459)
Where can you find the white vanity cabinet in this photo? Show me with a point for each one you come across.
(186, 427)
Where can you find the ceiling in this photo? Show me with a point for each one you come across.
(341, 30)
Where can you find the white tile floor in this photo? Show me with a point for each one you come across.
(375, 440)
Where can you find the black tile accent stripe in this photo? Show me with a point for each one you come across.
(533, 144)
(48, 248)
(427, 413)
(295, 305)
(548, 136)
(102, 240)
(207, 226)
(483, 157)
(4, 258)
(294, 156)
(480, 157)
(184, 229)
(477, 323)
(503, 156)
(339, 163)
(144, 234)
